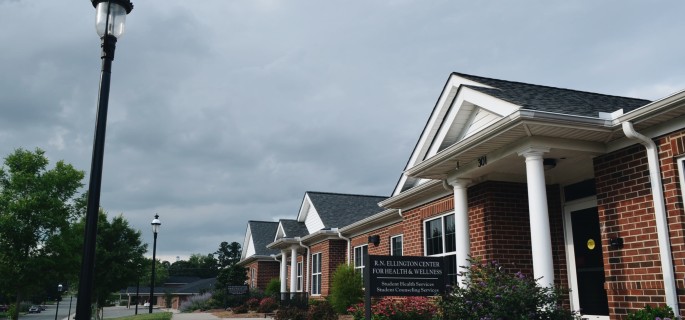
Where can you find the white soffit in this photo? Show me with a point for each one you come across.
(452, 94)
(248, 244)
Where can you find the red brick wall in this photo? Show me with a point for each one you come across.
(499, 226)
(383, 247)
(625, 204)
(333, 254)
(265, 271)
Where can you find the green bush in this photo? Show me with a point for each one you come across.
(240, 309)
(346, 288)
(290, 313)
(489, 292)
(649, 313)
(392, 308)
(268, 304)
(321, 310)
(273, 288)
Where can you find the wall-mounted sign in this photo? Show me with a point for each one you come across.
(405, 276)
(237, 290)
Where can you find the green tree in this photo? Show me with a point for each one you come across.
(198, 265)
(228, 254)
(36, 205)
(161, 272)
(119, 251)
(232, 276)
(346, 289)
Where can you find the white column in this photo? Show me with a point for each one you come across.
(293, 269)
(540, 236)
(461, 223)
(284, 270)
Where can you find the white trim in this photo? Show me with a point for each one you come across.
(392, 248)
(570, 207)
(362, 265)
(442, 222)
(300, 276)
(681, 170)
(314, 273)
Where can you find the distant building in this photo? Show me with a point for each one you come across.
(578, 189)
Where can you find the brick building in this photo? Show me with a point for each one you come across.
(579, 189)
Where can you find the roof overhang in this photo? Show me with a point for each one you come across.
(376, 221)
(321, 235)
(254, 258)
(284, 243)
(416, 196)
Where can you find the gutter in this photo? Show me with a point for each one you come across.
(306, 274)
(659, 213)
(376, 221)
(348, 245)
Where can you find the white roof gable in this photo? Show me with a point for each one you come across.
(280, 232)
(309, 216)
(248, 245)
(459, 113)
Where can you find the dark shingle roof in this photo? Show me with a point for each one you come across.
(293, 228)
(204, 285)
(338, 210)
(263, 233)
(550, 99)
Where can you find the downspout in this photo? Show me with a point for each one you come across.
(659, 213)
(348, 245)
(306, 275)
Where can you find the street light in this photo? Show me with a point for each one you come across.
(59, 294)
(155, 228)
(109, 23)
(137, 286)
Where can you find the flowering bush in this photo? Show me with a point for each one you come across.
(267, 304)
(252, 304)
(410, 308)
(489, 292)
(199, 302)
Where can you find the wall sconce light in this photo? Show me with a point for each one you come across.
(375, 239)
(616, 243)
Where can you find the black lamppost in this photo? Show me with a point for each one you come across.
(137, 286)
(110, 17)
(155, 228)
(59, 295)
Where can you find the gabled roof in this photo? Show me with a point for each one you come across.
(262, 233)
(291, 228)
(551, 99)
(470, 107)
(204, 285)
(337, 210)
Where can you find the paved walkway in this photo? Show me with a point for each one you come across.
(202, 316)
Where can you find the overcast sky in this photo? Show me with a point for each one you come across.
(226, 111)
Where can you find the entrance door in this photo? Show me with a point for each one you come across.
(586, 266)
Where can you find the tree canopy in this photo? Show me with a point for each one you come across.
(37, 205)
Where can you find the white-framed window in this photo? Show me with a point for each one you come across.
(253, 278)
(299, 276)
(359, 262)
(396, 248)
(681, 170)
(316, 274)
(440, 241)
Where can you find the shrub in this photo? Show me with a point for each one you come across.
(321, 310)
(489, 292)
(267, 305)
(346, 288)
(290, 313)
(252, 304)
(273, 288)
(239, 309)
(649, 313)
(199, 302)
(410, 308)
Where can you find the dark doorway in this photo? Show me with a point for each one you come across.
(587, 246)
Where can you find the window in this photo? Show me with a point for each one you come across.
(316, 273)
(440, 241)
(359, 263)
(253, 278)
(299, 276)
(396, 245)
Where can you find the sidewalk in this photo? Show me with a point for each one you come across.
(203, 316)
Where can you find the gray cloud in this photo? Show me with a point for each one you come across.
(229, 111)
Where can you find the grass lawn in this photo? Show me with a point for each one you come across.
(149, 316)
